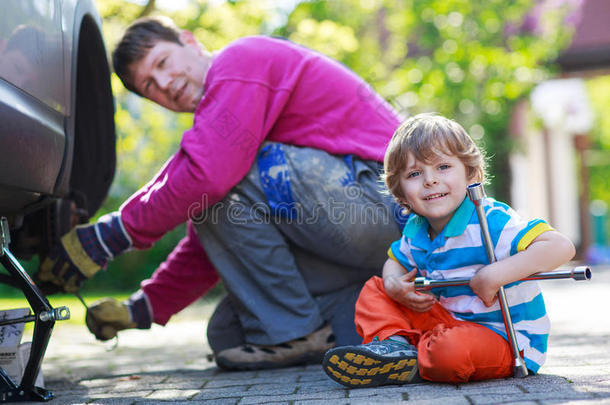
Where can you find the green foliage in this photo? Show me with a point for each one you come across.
(599, 94)
(77, 309)
(467, 59)
(599, 157)
(147, 134)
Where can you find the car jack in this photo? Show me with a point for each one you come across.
(44, 319)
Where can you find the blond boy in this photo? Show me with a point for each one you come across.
(457, 334)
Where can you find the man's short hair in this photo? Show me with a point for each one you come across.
(139, 38)
(426, 136)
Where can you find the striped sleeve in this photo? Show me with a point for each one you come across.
(533, 229)
(509, 232)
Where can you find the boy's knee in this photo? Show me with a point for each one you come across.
(443, 355)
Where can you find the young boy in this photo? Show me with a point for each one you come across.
(457, 334)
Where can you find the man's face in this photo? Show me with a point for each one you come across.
(172, 75)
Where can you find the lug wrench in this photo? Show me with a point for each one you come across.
(476, 193)
(580, 273)
(116, 338)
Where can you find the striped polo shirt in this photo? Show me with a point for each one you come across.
(458, 251)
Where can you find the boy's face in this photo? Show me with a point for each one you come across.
(172, 75)
(434, 189)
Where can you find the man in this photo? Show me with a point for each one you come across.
(278, 182)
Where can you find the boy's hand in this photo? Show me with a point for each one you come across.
(546, 252)
(402, 290)
(485, 286)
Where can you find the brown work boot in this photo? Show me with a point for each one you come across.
(306, 350)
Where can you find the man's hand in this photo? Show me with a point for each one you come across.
(58, 273)
(400, 288)
(82, 252)
(107, 316)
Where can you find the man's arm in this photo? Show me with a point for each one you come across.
(185, 276)
(230, 125)
(214, 156)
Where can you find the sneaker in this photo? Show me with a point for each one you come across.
(306, 350)
(372, 364)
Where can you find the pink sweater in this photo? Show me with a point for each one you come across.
(258, 89)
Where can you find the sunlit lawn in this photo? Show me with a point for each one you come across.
(77, 310)
(202, 309)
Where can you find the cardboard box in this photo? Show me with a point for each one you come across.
(14, 355)
(13, 361)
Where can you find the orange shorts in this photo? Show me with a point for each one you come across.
(448, 350)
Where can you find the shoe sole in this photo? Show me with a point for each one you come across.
(360, 369)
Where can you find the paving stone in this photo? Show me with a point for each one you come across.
(313, 376)
(154, 367)
(238, 375)
(219, 393)
(177, 402)
(111, 401)
(272, 390)
(291, 398)
(490, 388)
(173, 394)
(324, 386)
(67, 398)
(181, 383)
(382, 397)
(501, 399)
(222, 401)
(219, 383)
(604, 401)
(410, 391)
(119, 395)
(450, 400)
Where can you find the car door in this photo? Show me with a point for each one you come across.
(33, 96)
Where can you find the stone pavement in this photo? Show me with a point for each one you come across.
(169, 364)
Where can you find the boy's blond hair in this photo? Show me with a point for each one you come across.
(426, 136)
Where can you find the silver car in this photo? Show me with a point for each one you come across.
(57, 135)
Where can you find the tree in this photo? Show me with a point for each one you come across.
(147, 134)
(470, 60)
(598, 157)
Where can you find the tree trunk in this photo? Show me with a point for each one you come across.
(148, 8)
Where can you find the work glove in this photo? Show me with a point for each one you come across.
(107, 316)
(82, 252)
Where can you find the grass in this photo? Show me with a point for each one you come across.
(11, 298)
(77, 310)
(202, 309)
